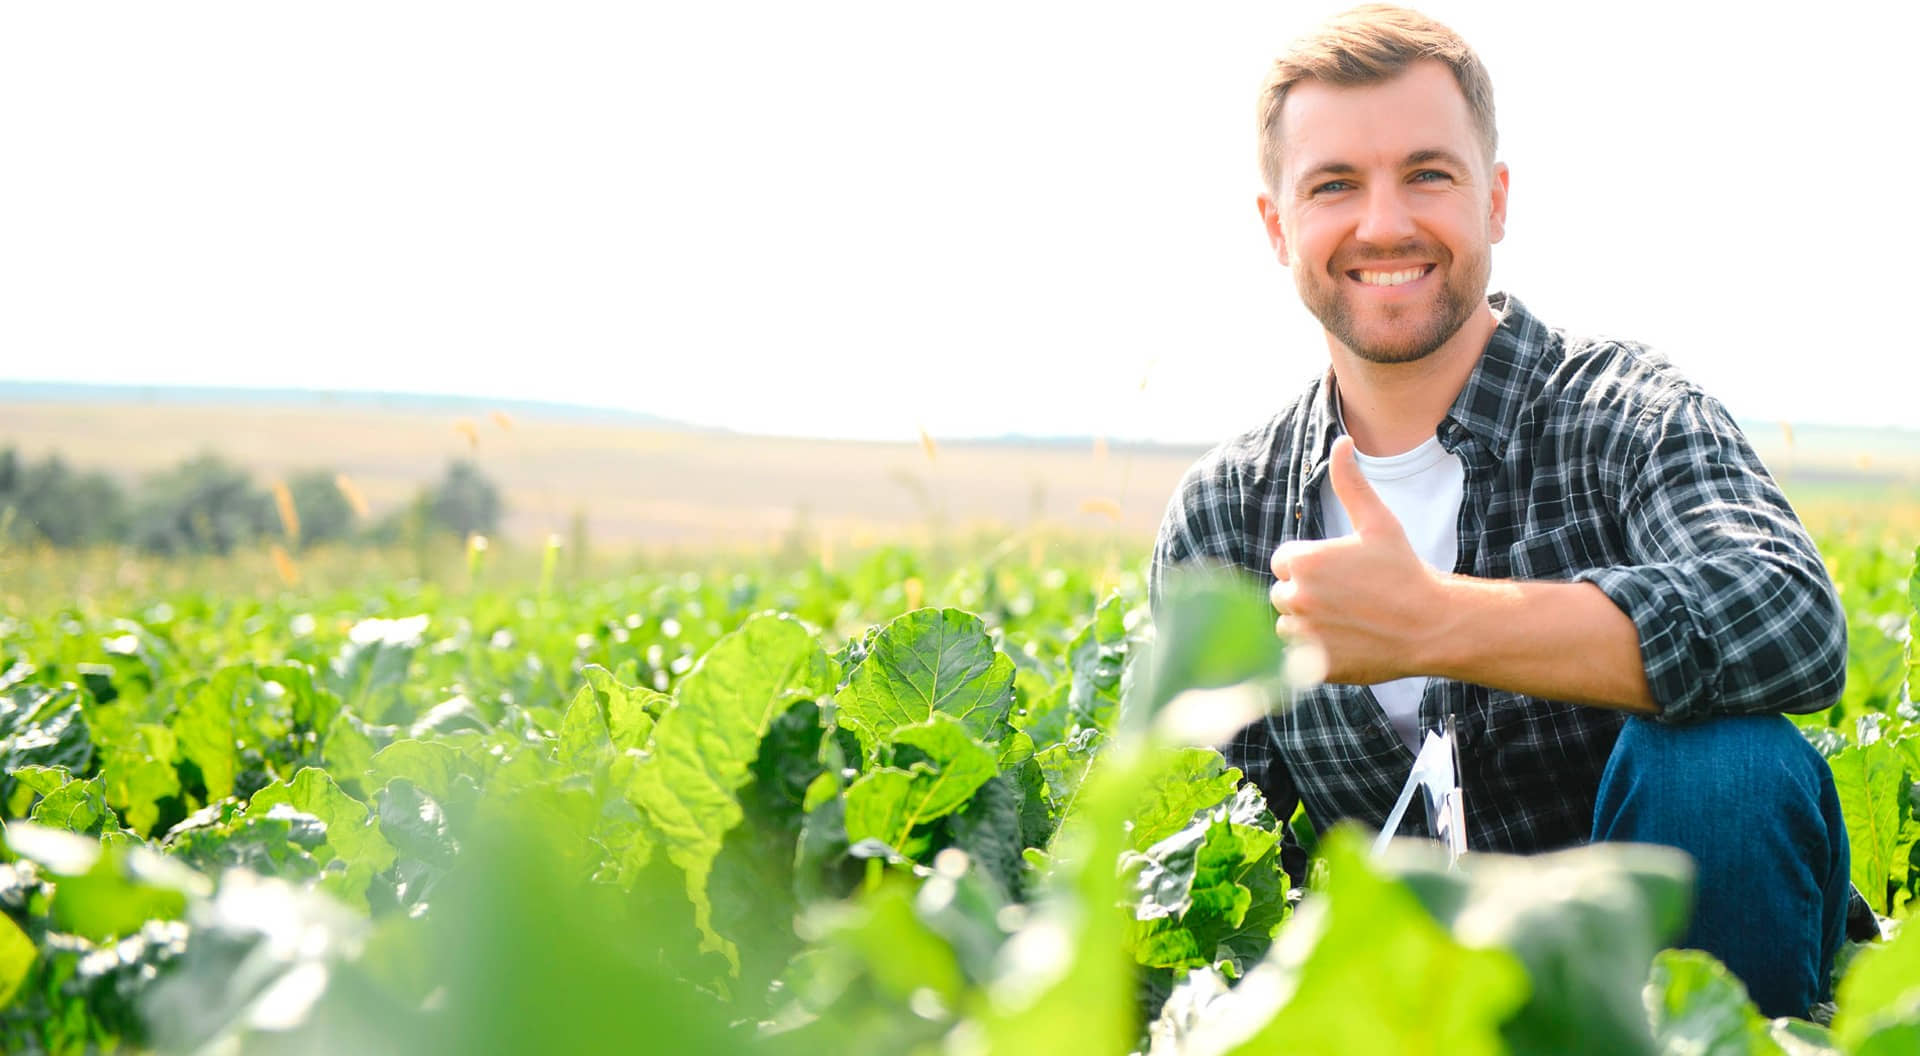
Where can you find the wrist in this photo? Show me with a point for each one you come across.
(1439, 638)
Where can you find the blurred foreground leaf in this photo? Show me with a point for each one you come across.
(1879, 999)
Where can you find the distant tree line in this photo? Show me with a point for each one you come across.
(209, 505)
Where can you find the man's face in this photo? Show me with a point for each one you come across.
(1387, 211)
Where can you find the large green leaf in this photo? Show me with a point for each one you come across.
(66, 802)
(109, 901)
(944, 742)
(1323, 980)
(428, 764)
(1188, 869)
(1213, 628)
(1879, 999)
(41, 726)
(989, 829)
(347, 746)
(924, 662)
(1022, 770)
(884, 978)
(311, 707)
(752, 887)
(887, 804)
(1185, 781)
(104, 891)
(1697, 1006)
(280, 842)
(882, 805)
(1195, 889)
(138, 773)
(1045, 715)
(17, 954)
(1216, 895)
(630, 710)
(1066, 983)
(897, 947)
(417, 827)
(352, 835)
(1241, 945)
(520, 953)
(1872, 783)
(1096, 659)
(1585, 922)
(369, 673)
(209, 730)
(584, 740)
(825, 865)
(1063, 768)
(704, 746)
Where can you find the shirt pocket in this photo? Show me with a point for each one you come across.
(1561, 553)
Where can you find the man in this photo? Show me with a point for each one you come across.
(1557, 542)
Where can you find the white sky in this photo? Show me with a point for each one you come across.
(859, 218)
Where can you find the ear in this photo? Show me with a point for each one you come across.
(1276, 234)
(1497, 215)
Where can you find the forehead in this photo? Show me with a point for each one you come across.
(1421, 109)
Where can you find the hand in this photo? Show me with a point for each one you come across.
(1367, 599)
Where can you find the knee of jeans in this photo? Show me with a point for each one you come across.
(1752, 758)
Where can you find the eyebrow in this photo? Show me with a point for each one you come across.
(1343, 168)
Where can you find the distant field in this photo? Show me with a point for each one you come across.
(636, 484)
(644, 484)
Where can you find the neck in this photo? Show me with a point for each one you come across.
(1389, 408)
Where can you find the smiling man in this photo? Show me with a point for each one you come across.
(1556, 542)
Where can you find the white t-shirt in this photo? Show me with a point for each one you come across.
(1423, 487)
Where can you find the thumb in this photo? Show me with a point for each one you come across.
(1368, 514)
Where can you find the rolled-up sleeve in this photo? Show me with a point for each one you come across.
(1735, 610)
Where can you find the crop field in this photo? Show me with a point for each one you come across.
(955, 800)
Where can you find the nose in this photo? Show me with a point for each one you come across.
(1385, 218)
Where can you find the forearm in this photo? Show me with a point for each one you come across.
(1557, 641)
(1734, 633)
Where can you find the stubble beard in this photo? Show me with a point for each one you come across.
(1459, 296)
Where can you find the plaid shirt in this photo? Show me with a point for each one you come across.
(1586, 460)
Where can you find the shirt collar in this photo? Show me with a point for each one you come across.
(1501, 383)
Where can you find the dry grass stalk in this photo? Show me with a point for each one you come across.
(351, 492)
(283, 564)
(289, 517)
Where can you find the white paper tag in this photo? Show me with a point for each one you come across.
(1433, 773)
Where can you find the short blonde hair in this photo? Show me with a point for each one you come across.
(1364, 46)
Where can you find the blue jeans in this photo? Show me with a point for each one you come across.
(1755, 806)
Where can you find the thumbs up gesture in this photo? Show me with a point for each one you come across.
(1367, 599)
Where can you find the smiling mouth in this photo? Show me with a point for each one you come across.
(1389, 278)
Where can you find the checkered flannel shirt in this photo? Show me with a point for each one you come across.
(1585, 460)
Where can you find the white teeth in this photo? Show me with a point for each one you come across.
(1391, 278)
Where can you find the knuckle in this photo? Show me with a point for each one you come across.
(1283, 558)
(1306, 562)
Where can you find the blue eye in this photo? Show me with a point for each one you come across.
(1435, 173)
(1331, 185)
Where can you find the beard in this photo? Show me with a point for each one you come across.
(1401, 333)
